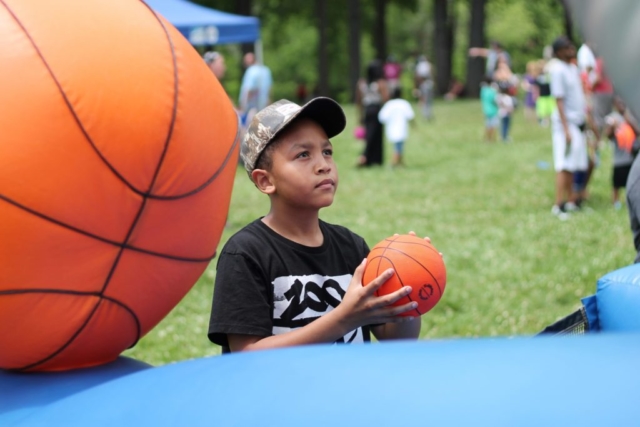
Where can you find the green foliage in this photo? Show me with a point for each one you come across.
(290, 39)
(293, 61)
(512, 267)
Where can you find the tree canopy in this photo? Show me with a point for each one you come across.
(304, 39)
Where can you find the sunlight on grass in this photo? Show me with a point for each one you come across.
(513, 268)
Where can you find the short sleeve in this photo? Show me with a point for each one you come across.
(241, 300)
(557, 83)
(409, 111)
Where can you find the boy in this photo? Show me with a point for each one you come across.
(395, 115)
(505, 110)
(288, 278)
(488, 95)
(622, 130)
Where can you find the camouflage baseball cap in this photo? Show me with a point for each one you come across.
(271, 120)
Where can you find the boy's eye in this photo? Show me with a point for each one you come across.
(328, 152)
(303, 154)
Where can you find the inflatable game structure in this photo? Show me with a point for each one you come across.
(117, 160)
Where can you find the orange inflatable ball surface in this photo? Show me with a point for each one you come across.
(117, 158)
(417, 263)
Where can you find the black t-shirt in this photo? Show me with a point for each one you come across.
(268, 285)
(542, 81)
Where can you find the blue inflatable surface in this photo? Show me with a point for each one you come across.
(618, 300)
(22, 394)
(578, 381)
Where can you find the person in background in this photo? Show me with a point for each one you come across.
(505, 110)
(530, 89)
(372, 93)
(586, 61)
(622, 130)
(255, 89)
(488, 99)
(216, 64)
(567, 124)
(392, 71)
(395, 115)
(492, 54)
(545, 104)
(423, 81)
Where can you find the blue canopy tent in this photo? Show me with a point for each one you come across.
(203, 26)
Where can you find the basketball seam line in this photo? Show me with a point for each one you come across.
(135, 221)
(86, 134)
(81, 328)
(418, 262)
(400, 279)
(68, 102)
(102, 239)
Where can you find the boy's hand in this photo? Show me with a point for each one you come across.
(360, 305)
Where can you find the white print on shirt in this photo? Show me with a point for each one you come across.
(298, 300)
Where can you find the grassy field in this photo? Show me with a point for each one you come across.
(512, 267)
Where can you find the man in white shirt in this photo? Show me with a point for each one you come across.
(587, 62)
(567, 123)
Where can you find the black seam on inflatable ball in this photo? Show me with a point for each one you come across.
(158, 166)
(86, 322)
(207, 182)
(102, 239)
(68, 103)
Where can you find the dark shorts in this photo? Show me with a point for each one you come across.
(620, 175)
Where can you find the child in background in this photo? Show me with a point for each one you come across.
(488, 94)
(505, 110)
(545, 103)
(530, 89)
(622, 130)
(395, 115)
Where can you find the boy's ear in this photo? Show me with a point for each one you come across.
(262, 179)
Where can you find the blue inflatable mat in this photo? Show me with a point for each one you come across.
(585, 381)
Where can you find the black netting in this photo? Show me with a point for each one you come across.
(574, 324)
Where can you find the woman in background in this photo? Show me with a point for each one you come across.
(372, 93)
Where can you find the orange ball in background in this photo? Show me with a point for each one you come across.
(417, 263)
(117, 159)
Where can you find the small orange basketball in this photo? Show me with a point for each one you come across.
(417, 263)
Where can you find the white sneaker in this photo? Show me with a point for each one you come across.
(557, 211)
(571, 207)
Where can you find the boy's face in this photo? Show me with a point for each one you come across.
(303, 173)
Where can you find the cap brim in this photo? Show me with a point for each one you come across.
(324, 111)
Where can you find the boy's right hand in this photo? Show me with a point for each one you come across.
(360, 306)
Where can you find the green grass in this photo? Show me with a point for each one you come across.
(512, 267)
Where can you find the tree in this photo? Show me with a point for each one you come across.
(568, 22)
(380, 29)
(475, 65)
(354, 18)
(323, 57)
(443, 48)
(243, 7)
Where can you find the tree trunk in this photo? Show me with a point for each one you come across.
(243, 7)
(568, 22)
(323, 57)
(475, 65)
(353, 14)
(380, 30)
(443, 39)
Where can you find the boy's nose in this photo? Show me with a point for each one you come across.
(323, 166)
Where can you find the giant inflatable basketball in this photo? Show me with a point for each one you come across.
(117, 156)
